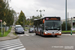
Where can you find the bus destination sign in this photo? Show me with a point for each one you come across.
(52, 18)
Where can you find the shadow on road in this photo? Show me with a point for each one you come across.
(50, 36)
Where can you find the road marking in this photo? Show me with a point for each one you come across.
(23, 49)
(11, 45)
(21, 35)
(32, 34)
(27, 34)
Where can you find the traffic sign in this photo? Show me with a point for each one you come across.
(0, 20)
(4, 23)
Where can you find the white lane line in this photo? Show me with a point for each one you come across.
(11, 45)
(32, 34)
(16, 48)
(21, 35)
(22, 49)
(27, 34)
(3, 46)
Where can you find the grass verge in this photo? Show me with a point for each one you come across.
(67, 31)
(5, 33)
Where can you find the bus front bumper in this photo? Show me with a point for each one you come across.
(52, 34)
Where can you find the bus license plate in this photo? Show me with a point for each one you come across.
(53, 34)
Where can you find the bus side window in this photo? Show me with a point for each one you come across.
(42, 26)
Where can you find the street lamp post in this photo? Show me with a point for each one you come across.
(66, 13)
(71, 25)
(40, 12)
(23, 22)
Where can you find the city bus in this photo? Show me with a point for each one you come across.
(48, 26)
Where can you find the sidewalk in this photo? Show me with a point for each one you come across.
(10, 35)
(69, 34)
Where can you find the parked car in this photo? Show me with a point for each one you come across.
(18, 26)
(19, 31)
(31, 30)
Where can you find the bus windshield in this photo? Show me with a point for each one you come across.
(52, 25)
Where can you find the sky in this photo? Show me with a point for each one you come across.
(51, 7)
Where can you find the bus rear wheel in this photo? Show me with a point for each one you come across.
(36, 34)
(55, 35)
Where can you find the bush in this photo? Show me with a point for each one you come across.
(68, 26)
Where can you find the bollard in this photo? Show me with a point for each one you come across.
(71, 32)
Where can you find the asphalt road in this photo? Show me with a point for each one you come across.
(47, 43)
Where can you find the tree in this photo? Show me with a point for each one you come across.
(68, 26)
(6, 14)
(2, 8)
(21, 18)
(32, 20)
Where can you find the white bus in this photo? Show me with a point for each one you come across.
(48, 26)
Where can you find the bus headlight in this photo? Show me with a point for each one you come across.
(59, 32)
(45, 32)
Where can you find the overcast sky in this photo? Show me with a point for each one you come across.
(51, 7)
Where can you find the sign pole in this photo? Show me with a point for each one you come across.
(1, 27)
(4, 23)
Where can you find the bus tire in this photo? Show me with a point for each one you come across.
(55, 35)
(36, 34)
(40, 33)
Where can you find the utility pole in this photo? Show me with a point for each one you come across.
(71, 25)
(68, 17)
(66, 14)
(24, 22)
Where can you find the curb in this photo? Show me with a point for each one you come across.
(69, 34)
(8, 38)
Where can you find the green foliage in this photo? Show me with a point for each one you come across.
(6, 33)
(21, 18)
(32, 19)
(27, 23)
(2, 8)
(6, 14)
(68, 26)
(67, 31)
